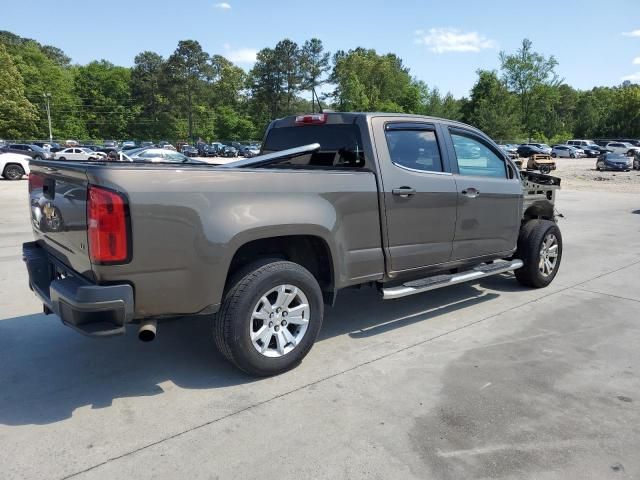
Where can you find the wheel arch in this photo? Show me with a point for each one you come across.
(311, 250)
(540, 209)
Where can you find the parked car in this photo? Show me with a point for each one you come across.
(581, 143)
(527, 150)
(592, 151)
(159, 155)
(563, 151)
(128, 145)
(32, 151)
(511, 152)
(621, 147)
(79, 153)
(190, 151)
(248, 151)
(110, 144)
(542, 146)
(541, 162)
(146, 144)
(614, 161)
(260, 245)
(13, 166)
(510, 148)
(228, 151)
(636, 161)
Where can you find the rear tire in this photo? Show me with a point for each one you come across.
(252, 304)
(13, 171)
(546, 169)
(540, 249)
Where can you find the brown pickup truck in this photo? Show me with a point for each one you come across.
(403, 202)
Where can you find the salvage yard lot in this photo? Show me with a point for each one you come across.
(484, 380)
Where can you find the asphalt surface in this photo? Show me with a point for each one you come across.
(484, 380)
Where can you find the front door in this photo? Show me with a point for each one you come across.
(489, 198)
(419, 193)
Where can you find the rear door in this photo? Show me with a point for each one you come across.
(489, 196)
(419, 192)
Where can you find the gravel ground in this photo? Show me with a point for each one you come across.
(581, 174)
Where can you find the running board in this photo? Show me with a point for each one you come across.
(439, 281)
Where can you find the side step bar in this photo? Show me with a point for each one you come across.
(439, 281)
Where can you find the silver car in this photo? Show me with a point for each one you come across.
(622, 147)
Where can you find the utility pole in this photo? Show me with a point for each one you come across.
(47, 96)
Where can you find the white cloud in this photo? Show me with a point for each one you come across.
(636, 61)
(240, 55)
(441, 40)
(223, 6)
(632, 33)
(634, 77)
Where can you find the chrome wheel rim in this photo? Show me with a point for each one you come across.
(279, 321)
(548, 255)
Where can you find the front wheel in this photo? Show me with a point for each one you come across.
(554, 155)
(62, 158)
(269, 318)
(545, 169)
(13, 172)
(540, 249)
(636, 164)
(600, 166)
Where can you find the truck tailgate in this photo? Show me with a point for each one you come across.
(58, 204)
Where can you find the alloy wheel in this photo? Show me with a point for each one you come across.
(548, 255)
(279, 320)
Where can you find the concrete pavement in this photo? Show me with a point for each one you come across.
(486, 380)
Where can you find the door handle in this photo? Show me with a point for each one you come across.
(404, 191)
(470, 192)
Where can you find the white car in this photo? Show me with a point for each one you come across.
(621, 147)
(78, 153)
(14, 166)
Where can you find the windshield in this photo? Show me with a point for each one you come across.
(340, 144)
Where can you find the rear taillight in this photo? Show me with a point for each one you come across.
(35, 182)
(311, 119)
(107, 226)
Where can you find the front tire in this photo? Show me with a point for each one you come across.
(62, 158)
(269, 318)
(546, 169)
(540, 249)
(13, 172)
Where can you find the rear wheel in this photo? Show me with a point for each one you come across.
(540, 249)
(636, 164)
(269, 318)
(13, 171)
(545, 169)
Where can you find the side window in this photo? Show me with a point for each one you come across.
(414, 149)
(475, 158)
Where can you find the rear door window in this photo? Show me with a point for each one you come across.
(414, 149)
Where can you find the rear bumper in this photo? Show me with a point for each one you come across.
(96, 310)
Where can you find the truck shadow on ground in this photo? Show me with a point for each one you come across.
(49, 371)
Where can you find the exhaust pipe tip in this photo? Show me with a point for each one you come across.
(147, 331)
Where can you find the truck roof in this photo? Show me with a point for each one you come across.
(354, 117)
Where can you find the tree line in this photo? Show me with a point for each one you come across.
(194, 95)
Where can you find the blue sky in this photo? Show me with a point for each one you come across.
(443, 43)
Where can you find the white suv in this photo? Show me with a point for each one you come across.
(581, 143)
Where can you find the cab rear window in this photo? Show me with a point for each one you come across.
(340, 145)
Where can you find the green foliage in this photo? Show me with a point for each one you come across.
(193, 95)
(492, 108)
(366, 81)
(17, 115)
(527, 73)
